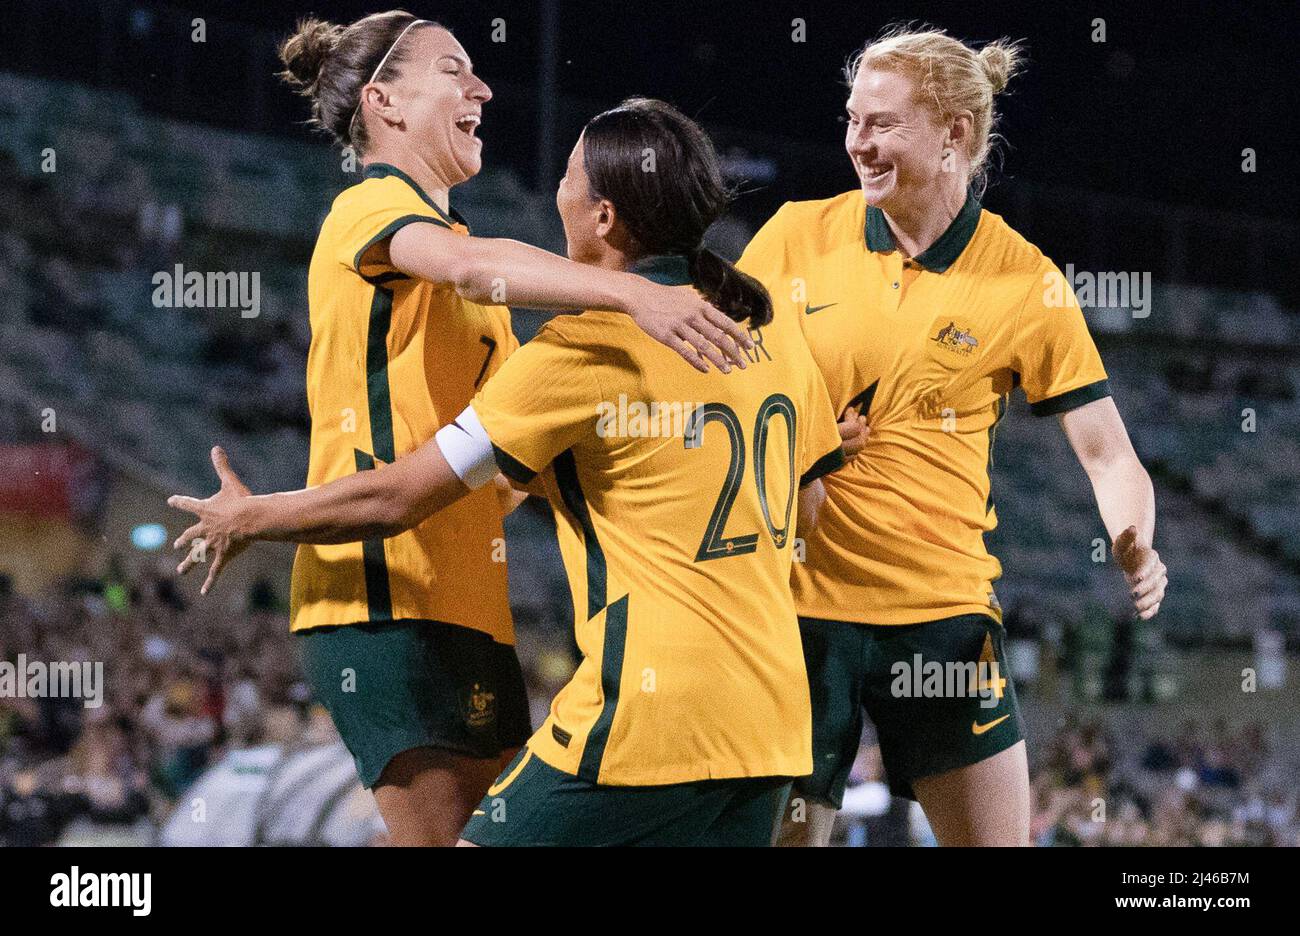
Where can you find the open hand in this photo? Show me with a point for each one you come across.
(217, 531)
(680, 318)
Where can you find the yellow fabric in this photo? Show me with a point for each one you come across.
(900, 539)
(712, 681)
(393, 359)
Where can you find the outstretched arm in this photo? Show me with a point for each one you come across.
(498, 270)
(1125, 497)
(365, 505)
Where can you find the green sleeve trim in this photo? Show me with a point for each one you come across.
(374, 562)
(389, 230)
(512, 467)
(823, 466)
(1071, 399)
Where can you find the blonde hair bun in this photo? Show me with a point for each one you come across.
(1001, 60)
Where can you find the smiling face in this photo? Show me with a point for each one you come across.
(439, 100)
(896, 143)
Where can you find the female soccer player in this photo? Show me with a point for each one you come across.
(924, 311)
(674, 494)
(408, 639)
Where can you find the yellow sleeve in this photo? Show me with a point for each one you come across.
(765, 255)
(1054, 354)
(370, 221)
(540, 403)
(822, 450)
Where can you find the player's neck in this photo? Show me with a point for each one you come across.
(421, 173)
(917, 225)
(611, 258)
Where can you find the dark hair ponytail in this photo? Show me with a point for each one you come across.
(661, 172)
(738, 294)
(330, 64)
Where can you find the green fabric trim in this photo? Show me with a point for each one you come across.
(388, 231)
(829, 462)
(944, 252)
(880, 239)
(668, 269)
(862, 401)
(611, 674)
(566, 477)
(380, 406)
(999, 413)
(1071, 399)
(512, 467)
(374, 563)
(377, 393)
(381, 170)
(611, 667)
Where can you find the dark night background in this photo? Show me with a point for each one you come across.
(1161, 110)
(1157, 115)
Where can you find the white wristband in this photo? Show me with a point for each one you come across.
(467, 448)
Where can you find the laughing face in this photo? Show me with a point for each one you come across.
(439, 100)
(896, 143)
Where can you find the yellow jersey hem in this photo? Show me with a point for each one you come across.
(494, 633)
(898, 618)
(550, 753)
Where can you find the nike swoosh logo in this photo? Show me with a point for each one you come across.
(509, 778)
(809, 310)
(978, 729)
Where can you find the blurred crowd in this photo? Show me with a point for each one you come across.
(181, 684)
(1208, 785)
(185, 683)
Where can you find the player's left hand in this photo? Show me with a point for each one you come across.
(218, 527)
(682, 319)
(1145, 573)
(854, 432)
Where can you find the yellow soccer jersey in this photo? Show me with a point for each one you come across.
(392, 359)
(675, 496)
(930, 348)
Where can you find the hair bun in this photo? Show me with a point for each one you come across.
(1000, 60)
(304, 53)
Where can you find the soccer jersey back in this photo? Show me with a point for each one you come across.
(675, 495)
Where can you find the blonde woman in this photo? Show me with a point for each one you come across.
(923, 312)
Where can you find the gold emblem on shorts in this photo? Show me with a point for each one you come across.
(481, 710)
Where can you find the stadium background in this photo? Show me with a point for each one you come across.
(1126, 155)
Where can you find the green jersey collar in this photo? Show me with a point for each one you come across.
(380, 170)
(668, 269)
(940, 255)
